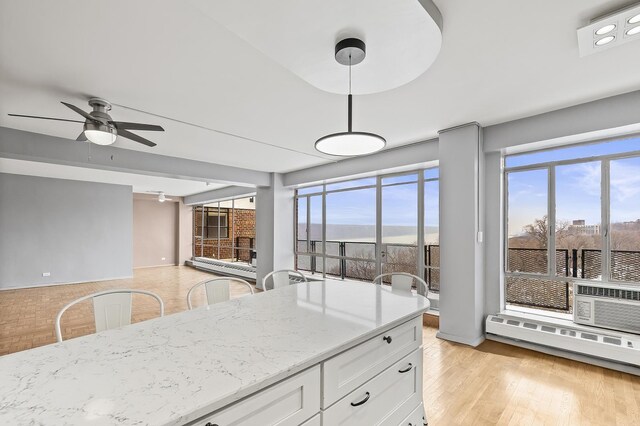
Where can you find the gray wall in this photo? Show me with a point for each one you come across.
(155, 232)
(77, 231)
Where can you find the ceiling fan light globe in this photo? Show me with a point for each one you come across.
(100, 134)
(99, 137)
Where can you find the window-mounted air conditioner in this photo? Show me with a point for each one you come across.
(607, 306)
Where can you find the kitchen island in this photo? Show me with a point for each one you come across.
(314, 353)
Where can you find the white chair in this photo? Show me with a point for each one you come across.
(281, 278)
(111, 308)
(217, 289)
(403, 281)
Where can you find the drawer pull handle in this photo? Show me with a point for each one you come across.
(387, 339)
(366, 398)
(406, 370)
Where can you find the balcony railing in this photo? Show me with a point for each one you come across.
(527, 290)
(357, 260)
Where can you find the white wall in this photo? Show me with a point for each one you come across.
(274, 228)
(76, 231)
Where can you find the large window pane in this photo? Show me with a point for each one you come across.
(315, 225)
(625, 219)
(574, 152)
(527, 221)
(399, 225)
(578, 224)
(538, 293)
(301, 225)
(432, 235)
(351, 231)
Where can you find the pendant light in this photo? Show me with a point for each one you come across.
(350, 51)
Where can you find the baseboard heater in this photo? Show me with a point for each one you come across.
(225, 268)
(599, 344)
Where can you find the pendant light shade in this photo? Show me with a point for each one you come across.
(350, 52)
(348, 144)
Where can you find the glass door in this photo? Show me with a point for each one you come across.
(398, 223)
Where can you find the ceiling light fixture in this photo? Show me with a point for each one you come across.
(605, 40)
(633, 31)
(350, 51)
(606, 29)
(100, 134)
(610, 30)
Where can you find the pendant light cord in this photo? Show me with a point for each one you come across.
(349, 97)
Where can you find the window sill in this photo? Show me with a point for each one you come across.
(538, 313)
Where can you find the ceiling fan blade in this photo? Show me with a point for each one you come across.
(127, 134)
(81, 112)
(81, 137)
(45, 118)
(136, 126)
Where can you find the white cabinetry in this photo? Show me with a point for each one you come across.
(378, 382)
(288, 403)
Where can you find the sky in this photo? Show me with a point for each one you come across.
(358, 206)
(578, 186)
(578, 191)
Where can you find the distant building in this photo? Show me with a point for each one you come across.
(581, 228)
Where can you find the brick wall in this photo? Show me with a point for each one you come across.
(242, 230)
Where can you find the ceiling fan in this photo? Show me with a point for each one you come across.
(99, 128)
(161, 197)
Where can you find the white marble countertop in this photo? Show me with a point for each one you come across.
(175, 369)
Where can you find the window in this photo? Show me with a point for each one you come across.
(572, 213)
(225, 230)
(357, 229)
(216, 223)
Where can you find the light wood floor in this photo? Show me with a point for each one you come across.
(494, 384)
(27, 316)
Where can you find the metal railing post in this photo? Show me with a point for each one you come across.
(574, 262)
(342, 252)
(313, 257)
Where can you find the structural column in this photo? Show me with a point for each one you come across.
(274, 228)
(461, 248)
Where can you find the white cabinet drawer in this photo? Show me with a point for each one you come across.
(415, 418)
(314, 421)
(288, 403)
(350, 369)
(386, 400)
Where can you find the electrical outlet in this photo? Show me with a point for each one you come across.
(46, 274)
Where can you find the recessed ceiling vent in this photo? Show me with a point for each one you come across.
(613, 29)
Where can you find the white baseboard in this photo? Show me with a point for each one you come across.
(473, 342)
(66, 283)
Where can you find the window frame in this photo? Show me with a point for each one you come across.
(605, 225)
(421, 266)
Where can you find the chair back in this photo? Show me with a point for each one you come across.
(281, 278)
(217, 289)
(403, 281)
(111, 308)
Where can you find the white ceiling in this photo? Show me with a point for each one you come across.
(402, 38)
(140, 183)
(500, 60)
